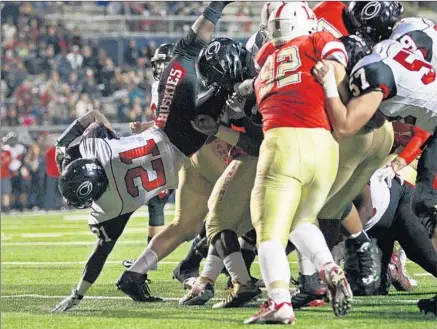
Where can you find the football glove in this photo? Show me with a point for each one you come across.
(59, 157)
(235, 107)
(205, 124)
(388, 174)
(69, 302)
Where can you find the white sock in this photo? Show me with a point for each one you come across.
(279, 295)
(212, 267)
(234, 263)
(310, 241)
(145, 262)
(273, 262)
(306, 267)
(83, 286)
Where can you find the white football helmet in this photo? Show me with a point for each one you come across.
(291, 20)
(266, 11)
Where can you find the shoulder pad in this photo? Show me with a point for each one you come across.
(375, 76)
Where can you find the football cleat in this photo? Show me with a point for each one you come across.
(339, 290)
(428, 305)
(367, 264)
(239, 295)
(135, 285)
(183, 275)
(398, 275)
(199, 294)
(311, 292)
(272, 313)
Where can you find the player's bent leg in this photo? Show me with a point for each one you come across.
(203, 288)
(189, 266)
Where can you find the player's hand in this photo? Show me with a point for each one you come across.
(324, 73)
(321, 70)
(388, 174)
(244, 88)
(138, 127)
(59, 157)
(205, 124)
(235, 107)
(69, 302)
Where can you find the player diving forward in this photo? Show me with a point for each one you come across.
(121, 175)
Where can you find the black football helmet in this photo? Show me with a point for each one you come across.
(82, 182)
(223, 62)
(163, 55)
(356, 47)
(375, 19)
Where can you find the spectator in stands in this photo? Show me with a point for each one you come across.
(52, 198)
(76, 39)
(53, 40)
(131, 53)
(32, 162)
(6, 188)
(83, 105)
(88, 59)
(74, 83)
(64, 65)
(89, 86)
(75, 57)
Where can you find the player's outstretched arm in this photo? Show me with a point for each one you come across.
(203, 27)
(346, 120)
(91, 272)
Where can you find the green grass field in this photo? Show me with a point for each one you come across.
(42, 259)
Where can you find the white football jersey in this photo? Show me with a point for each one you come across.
(408, 82)
(154, 98)
(138, 167)
(418, 35)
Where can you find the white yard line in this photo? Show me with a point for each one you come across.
(65, 243)
(169, 299)
(81, 263)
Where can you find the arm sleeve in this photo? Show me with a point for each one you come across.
(414, 147)
(190, 46)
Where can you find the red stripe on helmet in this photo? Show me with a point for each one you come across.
(278, 13)
(268, 10)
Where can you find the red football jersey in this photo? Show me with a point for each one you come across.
(330, 17)
(287, 93)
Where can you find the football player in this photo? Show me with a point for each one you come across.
(400, 84)
(160, 59)
(192, 196)
(157, 152)
(229, 213)
(115, 176)
(387, 216)
(418, 35)
(362, 154)
(294, 127)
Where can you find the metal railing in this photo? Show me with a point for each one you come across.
(153, 26)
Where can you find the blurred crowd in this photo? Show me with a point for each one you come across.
(50, 75)
(29, 174)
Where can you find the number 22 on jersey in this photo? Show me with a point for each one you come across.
(277, 71)
(129, 156)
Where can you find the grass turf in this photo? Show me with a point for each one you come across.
(42, 258)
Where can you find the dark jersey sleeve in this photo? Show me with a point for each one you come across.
(98, 130)
(190, 46)
(413, 40)
(376, 76)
